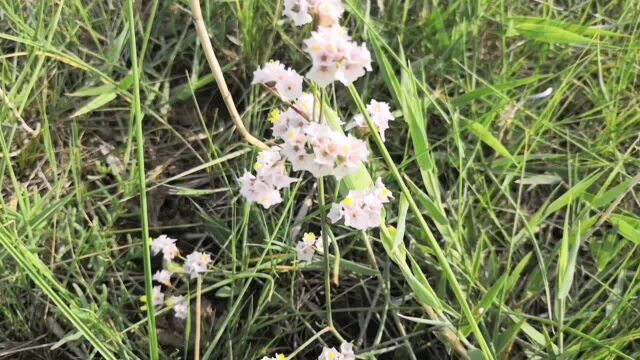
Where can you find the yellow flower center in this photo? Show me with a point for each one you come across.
(257, 166)
(386, 192)
(332, 355)
(293, 134)
(274, 116)
(309, 237)
(347, 201)
(281, 357)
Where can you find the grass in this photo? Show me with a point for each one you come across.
(513, 234)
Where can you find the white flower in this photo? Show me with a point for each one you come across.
(302, 12)
(328, 11)
(276, 357)
(166, 245)
(163, 277)
(345, 353)
(298, 11)
(158, 296)
(330, 354)
(335, 56)
(256, 190)
(287, 82)
(180, 306)
(362, 209)
(379, 112)
(196, 263)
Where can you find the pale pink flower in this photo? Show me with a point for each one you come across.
(298, 11)
(361, 209)
(287, 82)
(380, 114)
(327, 12)
(256, 190)
(335, 56)
(271, 176)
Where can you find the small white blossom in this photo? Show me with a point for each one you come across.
(276, 357)
(362, 209)
(330, 354)
(180, 306)
(287, 82)
(309, 244)
(163, 277)
(379, 112)
(196, 263)
(166, 245)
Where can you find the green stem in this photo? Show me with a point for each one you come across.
(323, 233)
(142, 185)
(442, 259)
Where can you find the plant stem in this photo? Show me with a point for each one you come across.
(196, 355)
(142, 186)
(323, 233)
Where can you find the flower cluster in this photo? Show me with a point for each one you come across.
(195, 264)
(308, 246)
(287, 82)
(308, 142)
(302, 12)
(380, 113)
(335, 56)
(323, 151)
(312, 145)
(362, 209)
(271, 176)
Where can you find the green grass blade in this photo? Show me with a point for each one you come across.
(45, 280)
(142, 187)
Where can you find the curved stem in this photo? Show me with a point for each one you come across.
(207, 47)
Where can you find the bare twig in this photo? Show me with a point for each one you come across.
(207, 47)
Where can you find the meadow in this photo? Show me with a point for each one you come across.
(498, 216)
